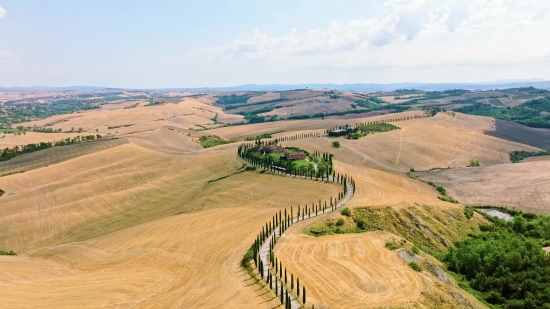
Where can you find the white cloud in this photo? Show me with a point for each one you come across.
(412, 34)
(2, 12)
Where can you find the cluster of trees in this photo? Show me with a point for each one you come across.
(366, 129)
(507, 263)
(517, 156)
(233, 99)
(9, 153)
(27, 112)
(529, 114)
(362, 129)
(208, 141)
(277, 163)
(253, 117)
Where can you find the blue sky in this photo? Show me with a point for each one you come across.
(145, 44)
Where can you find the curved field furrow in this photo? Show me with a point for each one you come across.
(97, 250)
(347, 271)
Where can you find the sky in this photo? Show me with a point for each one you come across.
(167, 44)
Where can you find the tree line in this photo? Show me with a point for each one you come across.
(9, 153)
(276, 275)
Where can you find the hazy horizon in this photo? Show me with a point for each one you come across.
(148, 44)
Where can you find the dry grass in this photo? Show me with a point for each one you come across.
(101, 229)
(55, 155)
(320, 125)
(523, 185)
(186, 114)
(138, 225)
(349, 271)
(11, 140)
(265, 97)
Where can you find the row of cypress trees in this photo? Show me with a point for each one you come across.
(288, 138)
(346, 127)
(277, 276)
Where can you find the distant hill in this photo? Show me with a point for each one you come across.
(380, 87)
(537, 83)
(46, 88)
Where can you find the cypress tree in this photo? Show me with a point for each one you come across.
(285, 275)
(281, 269)
(291, 282)
(298, 286)
(282, 301)
(286, 298)
(276, 290)
(304, 295)
(262, 269)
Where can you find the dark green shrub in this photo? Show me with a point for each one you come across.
(416, 250)
(474, 163)
(361, 224)
(340, 222)
(392, 246)
(7, 252)
(346, 212)
(336, 144)
(468, 212)
(415, 266)
(247, 257)
(484, 227)
(447, 199)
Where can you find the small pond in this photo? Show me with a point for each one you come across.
(498, 214)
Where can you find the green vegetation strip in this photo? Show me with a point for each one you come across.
(2, 252)
(9, 153)
(528, 114)
(208, 141)
(263, 136)
(517, 156)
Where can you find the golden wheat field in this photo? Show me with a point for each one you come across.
(122, 227)
(155, 223)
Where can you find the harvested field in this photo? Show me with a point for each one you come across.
(349, 271)
(518, 133)
(241, 132)
(294, 95)
(50, 156)
(524, 185)
(11, 140)
(358, 271)
(310, 106)
(186, 114)
(120, 228)
(437, 142)
(265, 97)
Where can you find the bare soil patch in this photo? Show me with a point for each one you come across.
(516, 132)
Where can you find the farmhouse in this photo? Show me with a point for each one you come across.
(273, 149)
(339, 132)
(295, 155)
